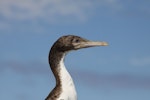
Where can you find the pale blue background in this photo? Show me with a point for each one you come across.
(120, 71)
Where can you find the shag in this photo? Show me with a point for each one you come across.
(65, 89)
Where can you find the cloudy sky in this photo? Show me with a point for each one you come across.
(120, 71)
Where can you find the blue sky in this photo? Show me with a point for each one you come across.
(120, 71)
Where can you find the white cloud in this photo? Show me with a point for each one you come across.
(14, 13)
(52, 9)
(48, 9)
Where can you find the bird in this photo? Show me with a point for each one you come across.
(65, 88)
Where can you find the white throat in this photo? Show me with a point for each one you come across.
(68, 88)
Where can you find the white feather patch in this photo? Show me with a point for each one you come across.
(68, 88)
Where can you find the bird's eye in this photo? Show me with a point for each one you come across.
(77, 41)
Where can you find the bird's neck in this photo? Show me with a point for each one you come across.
(64, 82)
(58, 68)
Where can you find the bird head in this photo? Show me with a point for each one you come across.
(71, 42)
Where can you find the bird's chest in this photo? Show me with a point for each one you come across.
(68, 92)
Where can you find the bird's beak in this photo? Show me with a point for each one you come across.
(87, 44)
(93, 44)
